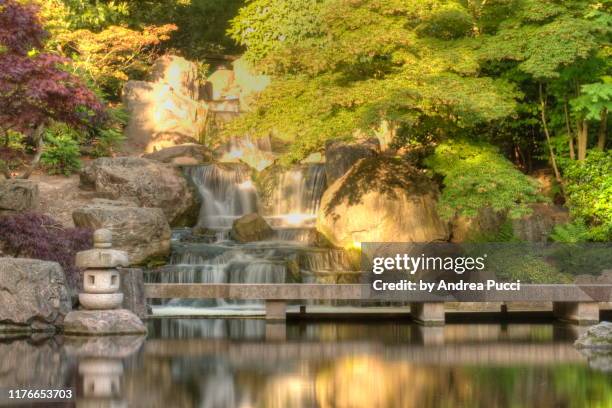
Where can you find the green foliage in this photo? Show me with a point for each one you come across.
(106, 140)
(265, 26)
(570, 233)
(477, 176)
(593, 99)
(589, 192)
(348, 66)
(451, 21)
(61, 154)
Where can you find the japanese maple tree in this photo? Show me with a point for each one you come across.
(35, 87)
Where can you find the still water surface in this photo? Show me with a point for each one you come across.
(214, 363)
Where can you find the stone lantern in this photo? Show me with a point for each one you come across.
(101, 280)
(101, 298)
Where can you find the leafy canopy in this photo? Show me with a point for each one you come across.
(343, 66)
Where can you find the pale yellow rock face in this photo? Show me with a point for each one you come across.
(381, 200)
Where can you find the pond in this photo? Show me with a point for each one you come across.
(248, 363)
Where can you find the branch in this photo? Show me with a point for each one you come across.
(547, 133)
(38, 139)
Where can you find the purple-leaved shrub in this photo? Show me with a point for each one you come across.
(32, 235)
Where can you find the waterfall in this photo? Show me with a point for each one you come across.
(227, 193)
(298, 195)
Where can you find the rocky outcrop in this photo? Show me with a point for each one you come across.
(18, 196)
(537, 226)
(340, 156)
(598, 336)
(180, 154)
(33, 295)
(251, 227)
(98, 322)
(167, 106)
(143, 233)
(381, 200)
(148, 183)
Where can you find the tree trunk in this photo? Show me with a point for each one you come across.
(39, 143)
(603, 130)
(583, 138)
(553, 159)
(570, 134)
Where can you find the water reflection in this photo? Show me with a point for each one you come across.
(246, 363)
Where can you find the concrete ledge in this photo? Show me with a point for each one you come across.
(303, 291)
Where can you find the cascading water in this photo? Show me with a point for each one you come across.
(298, 195)
(228, 192)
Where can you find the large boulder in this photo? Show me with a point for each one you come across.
(157, 110)
(148, 183)
(180, 74)
(178, 154)
(598, 336)
(251, 227)
(143, 233)
(18, 196)
(381, 200)
(33, 295)
(340, 156)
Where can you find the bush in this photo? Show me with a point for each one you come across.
(62, 153)
(108, 138)
(589, 192)
(476, 176)
(32, 235)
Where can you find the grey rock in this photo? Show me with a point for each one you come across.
(148, 183)
(132, 286)
(143, 233)
(340, 156)
(175, 154)
(599, 359)
(103, 322)
(18, 196)
(537, 226)
(598, 336)
(251, 227)
(34, 295)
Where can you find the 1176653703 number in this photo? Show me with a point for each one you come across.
(41, 394)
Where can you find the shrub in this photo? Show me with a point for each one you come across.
(38, 236)
(589, 192)
(62, 153)
(476, 176)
